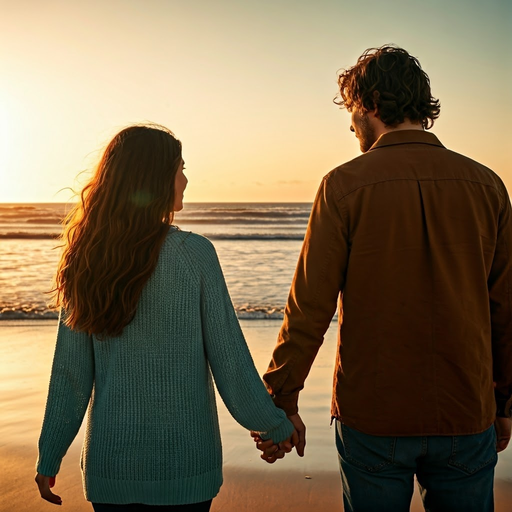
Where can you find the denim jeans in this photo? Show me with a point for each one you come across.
(454, 473)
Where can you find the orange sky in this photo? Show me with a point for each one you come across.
(246, 85)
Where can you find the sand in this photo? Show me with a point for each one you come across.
(311, 483)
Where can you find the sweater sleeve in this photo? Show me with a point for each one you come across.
(71, 384)
(236, 377)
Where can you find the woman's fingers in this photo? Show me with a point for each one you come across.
(278, 454)
(44, 483)
(266, 445)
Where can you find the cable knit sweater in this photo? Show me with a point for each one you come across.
(152, 432)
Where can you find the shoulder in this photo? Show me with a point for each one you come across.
(479, 169)
(178, 238)
(479, 173)
(401, 162)
(346, 175)
(196, 249)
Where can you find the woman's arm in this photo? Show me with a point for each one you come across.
(236, 377)
(69, 393)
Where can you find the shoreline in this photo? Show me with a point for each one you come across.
(26, 350)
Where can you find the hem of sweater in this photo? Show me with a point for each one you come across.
(180, 491)
(449, 430)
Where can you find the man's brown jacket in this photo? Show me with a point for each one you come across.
(413, 242)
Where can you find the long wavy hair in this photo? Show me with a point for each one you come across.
(390, 80)
(113, 236)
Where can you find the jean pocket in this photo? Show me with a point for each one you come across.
(473, 452)
(372, 453)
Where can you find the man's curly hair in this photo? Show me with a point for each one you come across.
(390, 80)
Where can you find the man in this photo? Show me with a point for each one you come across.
(414, 243)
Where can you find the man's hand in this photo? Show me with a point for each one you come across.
(300, 428)
(45, 483)
(503, 428)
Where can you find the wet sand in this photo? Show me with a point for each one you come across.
(304, 484)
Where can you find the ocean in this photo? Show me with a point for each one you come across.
(258, 245)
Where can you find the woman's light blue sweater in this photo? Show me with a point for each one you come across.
(152, 432)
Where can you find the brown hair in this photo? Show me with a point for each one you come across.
(390, 80)
(112, 237)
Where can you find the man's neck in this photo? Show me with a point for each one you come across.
(381, 128)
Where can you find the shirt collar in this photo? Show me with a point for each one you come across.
(406, 137)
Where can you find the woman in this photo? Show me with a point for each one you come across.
(146, 319)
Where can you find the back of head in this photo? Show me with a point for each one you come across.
(113, 236)
(390, 80)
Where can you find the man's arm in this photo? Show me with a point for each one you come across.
(500, 299)
(313, 297)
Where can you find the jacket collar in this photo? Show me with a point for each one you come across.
(406, 137)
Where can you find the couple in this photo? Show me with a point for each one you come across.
(410, 240)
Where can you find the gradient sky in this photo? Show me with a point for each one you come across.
(246, 85)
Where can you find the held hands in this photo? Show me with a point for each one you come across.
(271, 452)
(45, 483)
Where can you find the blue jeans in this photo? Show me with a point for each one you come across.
(454, 473)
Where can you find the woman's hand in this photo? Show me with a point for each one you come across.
(45, 483)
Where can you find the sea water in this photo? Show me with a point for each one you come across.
(258, 245)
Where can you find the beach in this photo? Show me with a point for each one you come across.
(304, 484)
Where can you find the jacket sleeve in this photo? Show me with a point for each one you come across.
(236, 377)
(70, 389)
(500, 297)
(316, 286)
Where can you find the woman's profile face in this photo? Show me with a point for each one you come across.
(180, 184)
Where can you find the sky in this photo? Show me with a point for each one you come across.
(246, 85)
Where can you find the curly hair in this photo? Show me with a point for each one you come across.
(112, 237)
(390, 80)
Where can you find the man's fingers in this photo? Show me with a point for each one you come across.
(286, 446)
(295, 438)
(503, 427)
(502, 444)
(301, 431)
(301, 445)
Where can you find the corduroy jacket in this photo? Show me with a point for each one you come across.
(413, 242)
